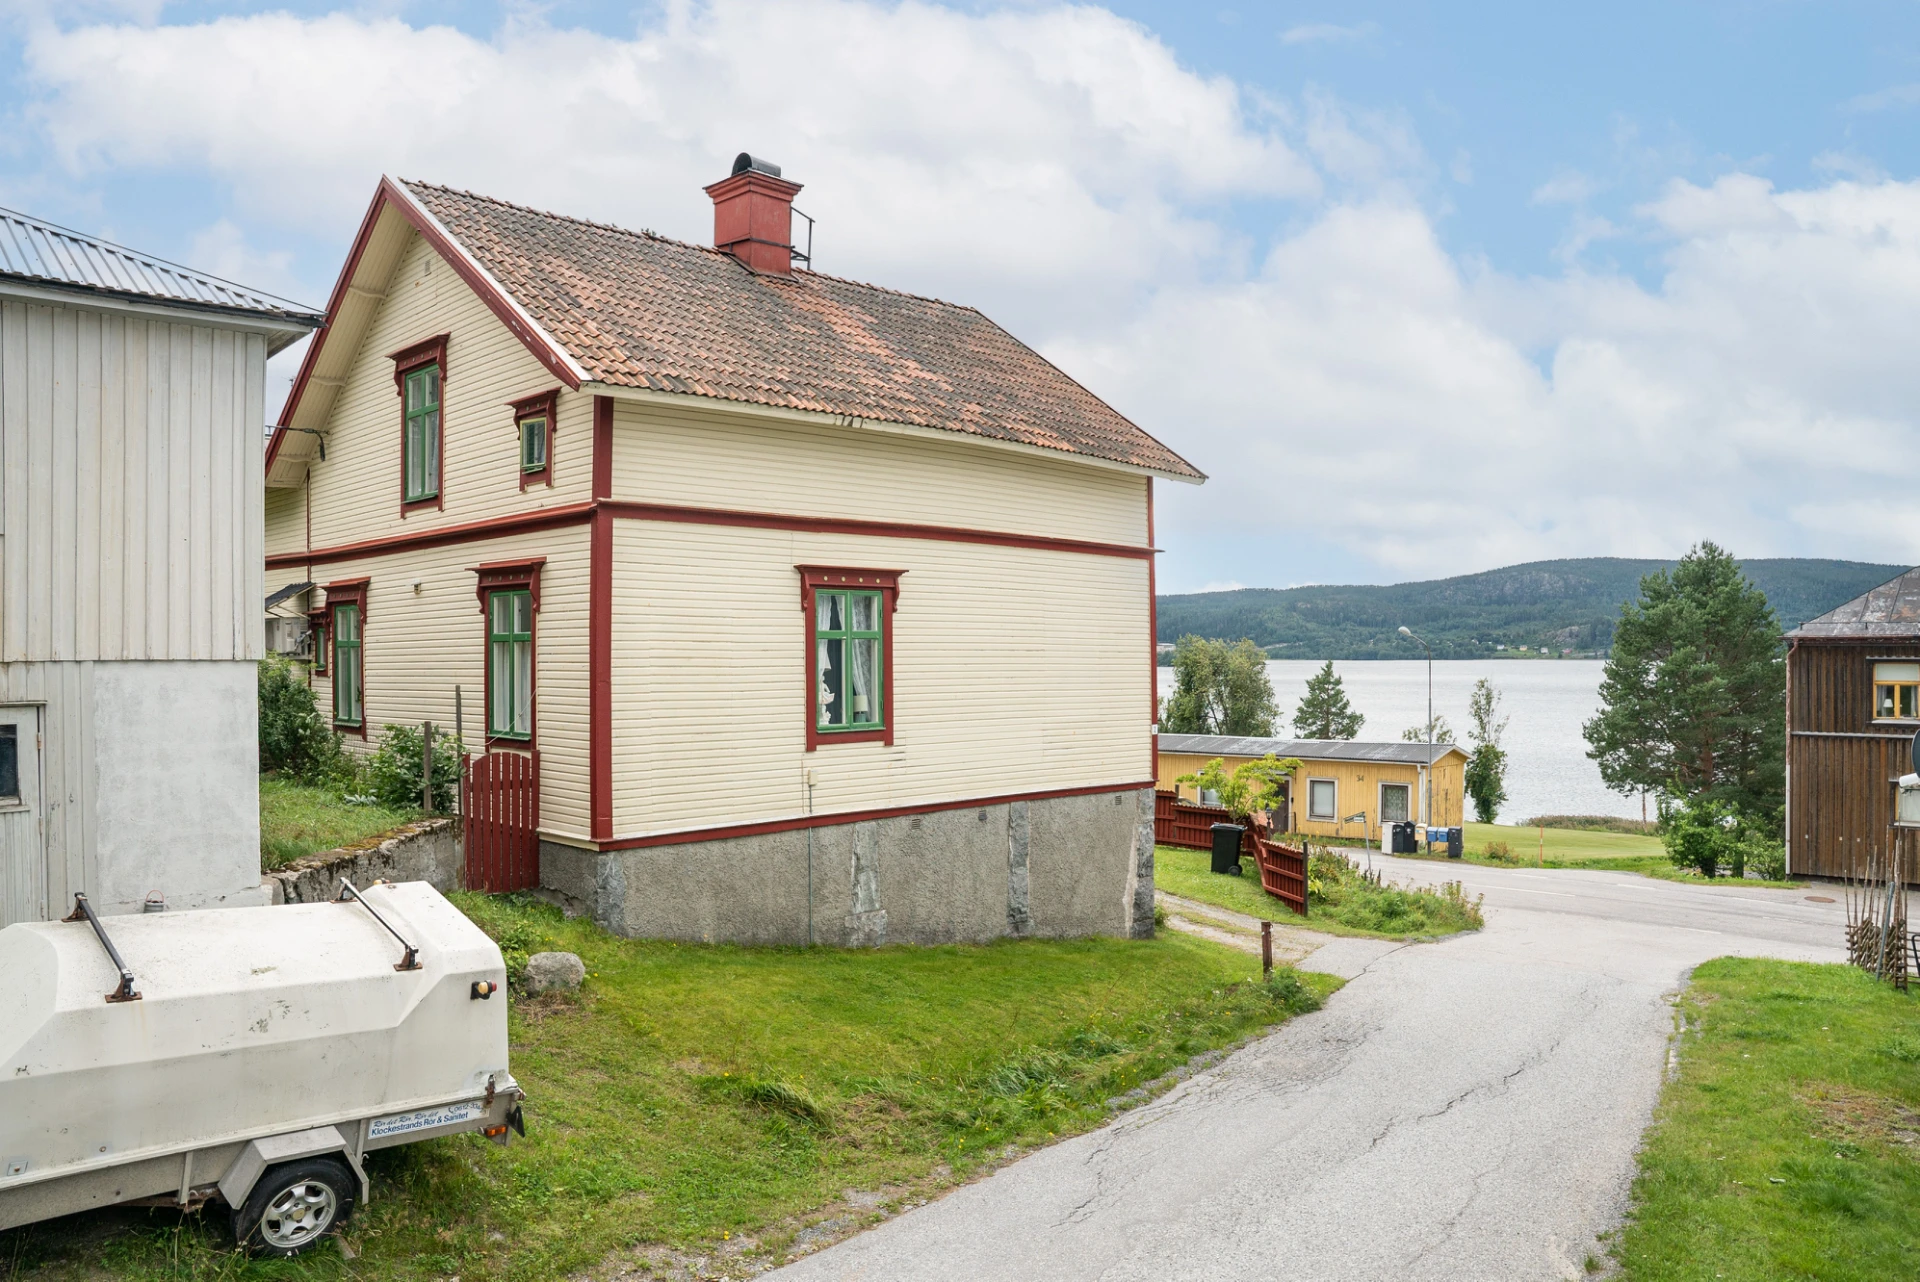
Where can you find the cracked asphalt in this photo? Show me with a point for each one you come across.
(1465, 1110)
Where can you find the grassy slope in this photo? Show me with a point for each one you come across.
(697, 1091)
(1776, 1152)
(297, 821)
(1385, 913)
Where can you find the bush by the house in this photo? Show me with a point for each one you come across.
(295, 740)
(393, 769)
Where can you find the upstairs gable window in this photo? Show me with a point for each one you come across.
(1896, 691)
(533, 421)
(420, 375)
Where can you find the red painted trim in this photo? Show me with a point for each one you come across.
(440, 536)
(821, 576)
(349, 592)
(877, 529)
(856, 816)
(546, 518)
(509, 576)
(603, 447)
(1153, 641)
(389, 192)
(600, 676)
(547, 403)
(428, 351)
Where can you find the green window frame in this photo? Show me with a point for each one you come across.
(348, 685)
(510, 664)
(533, 443)
(421, 393)
(849, 654)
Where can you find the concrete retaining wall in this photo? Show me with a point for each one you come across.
(1063, 866)
(429, 851)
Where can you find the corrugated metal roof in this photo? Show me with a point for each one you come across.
(36, 250)
(1220, 745)
(1890, 610)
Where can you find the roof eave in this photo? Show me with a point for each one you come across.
(647, 395)
(282, 329)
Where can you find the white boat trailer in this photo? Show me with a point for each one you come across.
(249, 1055)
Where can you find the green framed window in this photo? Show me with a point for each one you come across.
(347, 671)
(533, 443)
(510, 664)
(847, 634)
(422, 400)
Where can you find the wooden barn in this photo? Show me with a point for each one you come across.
(1853, 706)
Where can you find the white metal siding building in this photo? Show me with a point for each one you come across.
(131, 404)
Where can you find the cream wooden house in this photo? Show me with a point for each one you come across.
(131, 402)
(826, 609)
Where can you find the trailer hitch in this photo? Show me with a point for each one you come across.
(83, 911)
(411, 961)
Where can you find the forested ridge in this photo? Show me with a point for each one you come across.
(1567, 605)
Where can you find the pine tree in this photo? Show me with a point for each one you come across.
(1324, 712)
(1486, 774)
(1219, 689)
(1693, 698)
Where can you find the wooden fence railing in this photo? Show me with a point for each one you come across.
(1283, 871)
(500, 810)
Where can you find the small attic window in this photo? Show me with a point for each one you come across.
(534, 419)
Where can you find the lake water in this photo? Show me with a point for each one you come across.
(1547, 701)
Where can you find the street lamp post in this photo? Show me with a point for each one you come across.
(1408, 632)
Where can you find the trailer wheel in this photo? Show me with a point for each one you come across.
(294, 1206)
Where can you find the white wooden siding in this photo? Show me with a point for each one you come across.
(286, 520)
(131, 506)
(708, 457)
(417, 646)
(1015, 670)
(356, 492)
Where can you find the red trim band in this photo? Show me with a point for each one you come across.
(856, 816)
(603, 447)
(546, 518)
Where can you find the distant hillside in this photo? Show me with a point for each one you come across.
(1560, 605)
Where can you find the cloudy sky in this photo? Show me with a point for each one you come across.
(1425, 289)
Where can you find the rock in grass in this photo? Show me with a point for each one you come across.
(550, 972)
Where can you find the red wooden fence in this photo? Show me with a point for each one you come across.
(500, 806)
(1183, 824)
(1283, 872)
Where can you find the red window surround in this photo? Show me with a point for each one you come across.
(350, 592)
(547, 403)
(317, 634)
(497, 576)
(826, 576)
(428, 351)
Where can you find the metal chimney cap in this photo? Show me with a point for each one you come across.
(758, 164)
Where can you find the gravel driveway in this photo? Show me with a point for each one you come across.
(1466, 1110)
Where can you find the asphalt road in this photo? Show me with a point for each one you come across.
(1465, 1110)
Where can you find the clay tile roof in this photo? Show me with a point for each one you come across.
(1890, 610)
(639, 310)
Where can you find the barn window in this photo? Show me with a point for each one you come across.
(1896, 691)
(510, 664)
(850, 652)
(1322, 799)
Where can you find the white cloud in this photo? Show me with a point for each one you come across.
(1568, 187)
(1885, 99)
(1351, 383)
(1327, 33)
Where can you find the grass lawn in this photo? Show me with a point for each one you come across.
(1583, 848)
(1788, 1144)
(1346, 906)
(297, 821)
(695, 1095)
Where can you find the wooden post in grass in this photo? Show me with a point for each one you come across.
(1543, 845)
(426, 766)
(1266, 950)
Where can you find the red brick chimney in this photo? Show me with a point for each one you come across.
(753, 215)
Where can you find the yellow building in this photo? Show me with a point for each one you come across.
(1344, 788)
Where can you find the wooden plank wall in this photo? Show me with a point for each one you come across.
(1841, 763)
(131, 506)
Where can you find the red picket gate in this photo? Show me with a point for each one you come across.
(500, 808)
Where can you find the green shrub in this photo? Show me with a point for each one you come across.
(1500, 852)
(1767, 859)
(393, 770)
(295, 739)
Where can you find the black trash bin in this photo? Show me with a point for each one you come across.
(1456, 842)
(1403, 839)
(1226, 848)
